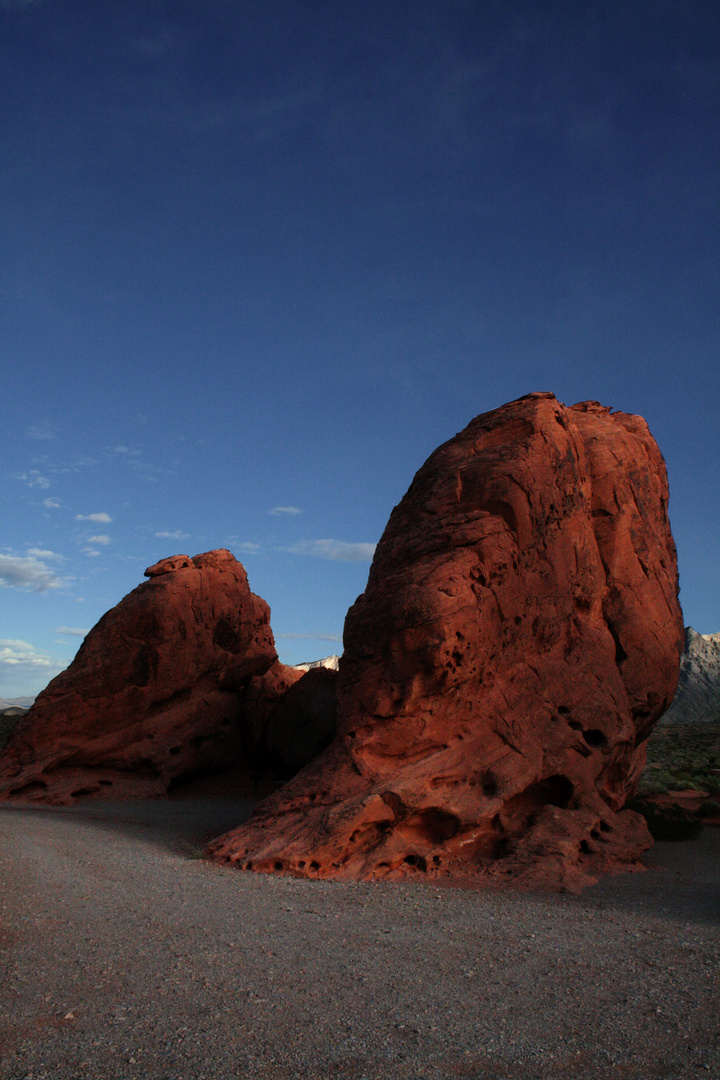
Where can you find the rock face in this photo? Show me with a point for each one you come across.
(154, 692)
(519, 637)
(698, 695)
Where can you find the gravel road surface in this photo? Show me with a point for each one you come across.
(125, 955)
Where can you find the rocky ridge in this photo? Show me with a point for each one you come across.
(698, 693)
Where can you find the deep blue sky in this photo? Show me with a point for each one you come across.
(259, 257)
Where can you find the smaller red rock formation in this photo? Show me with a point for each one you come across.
(154, 693)
(519, 637)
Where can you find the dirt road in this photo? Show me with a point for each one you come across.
(125, 955)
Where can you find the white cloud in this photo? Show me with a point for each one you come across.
(40, 431)
(23, 667)
(52, 504)
(177, 535)
(33, 479)
(40, 553)
(285, 510)
(30, 573)
(74, 631)
(102, 539)
(336, 550)
(122, 449)
(90, 551)
(102, 518)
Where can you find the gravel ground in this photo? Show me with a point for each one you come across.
(125, 955)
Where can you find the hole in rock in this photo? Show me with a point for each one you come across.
(595, 737)
(595, 834)
(248, 864)
(605, 827)
(519, 811)
(489, 785)
(436, 860)
(174, 750)
(314, 865)
(416, 860)
(278, 865)
(575, 725)
(301, 864)
(584, 847)
(90, 789)
(563, 710)
(36, 785)
(433, 826)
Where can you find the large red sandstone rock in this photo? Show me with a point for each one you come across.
(154, 693)
(519, 636)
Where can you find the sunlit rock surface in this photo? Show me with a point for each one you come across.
(518, 639)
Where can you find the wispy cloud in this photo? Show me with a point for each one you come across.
(276, 510)
(177, 535)
(40, 431)
(102, 518)
(91, 552)
(33, 478)
(336, 550)
(27, 573)
(52, 504)
(42, 553)
(74, 631)
(309, 637)
(98, 539)
(248, 547)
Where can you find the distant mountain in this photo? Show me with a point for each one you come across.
(698, 696)
(330, 662)
(22, 702)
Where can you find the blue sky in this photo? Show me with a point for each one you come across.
(259, 258)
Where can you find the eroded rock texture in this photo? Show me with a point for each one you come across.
(519, 637)
(154, 693)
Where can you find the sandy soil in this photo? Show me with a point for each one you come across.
(125, 955)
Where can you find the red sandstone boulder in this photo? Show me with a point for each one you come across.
(154, 693)
(519, 637)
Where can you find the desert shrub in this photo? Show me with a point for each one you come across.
(682, 756)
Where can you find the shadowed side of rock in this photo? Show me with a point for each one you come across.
(154, 693)
(519, 637)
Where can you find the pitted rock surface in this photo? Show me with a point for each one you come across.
(519, 637)
(154, 693)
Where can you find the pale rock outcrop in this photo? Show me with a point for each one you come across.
(698, 694)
